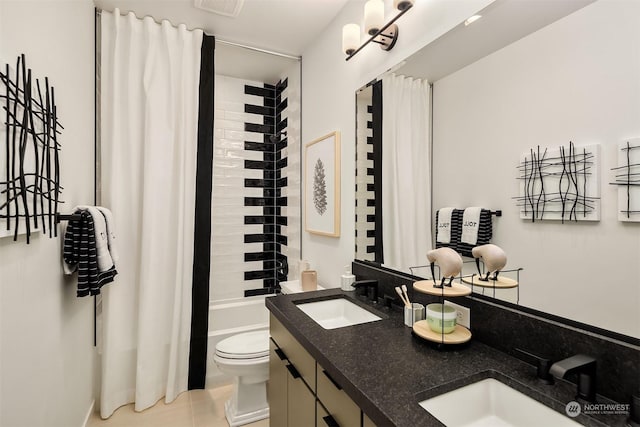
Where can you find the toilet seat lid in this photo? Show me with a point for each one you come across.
(248, 345)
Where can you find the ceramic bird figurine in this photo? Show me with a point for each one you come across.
(449, 261)
(493, 257)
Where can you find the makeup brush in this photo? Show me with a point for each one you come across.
(399, 292)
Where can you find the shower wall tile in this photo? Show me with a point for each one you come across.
(253, 178)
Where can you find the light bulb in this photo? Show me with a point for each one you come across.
(373, 16)
(350, 38)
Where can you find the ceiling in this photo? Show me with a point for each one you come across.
(503, 22)
(285, 26)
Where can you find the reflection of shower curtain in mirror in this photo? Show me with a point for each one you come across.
(405, 171)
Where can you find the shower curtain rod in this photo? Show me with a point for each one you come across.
(227, 42)
(257, 49)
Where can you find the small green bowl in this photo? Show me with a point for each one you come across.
(441, 322)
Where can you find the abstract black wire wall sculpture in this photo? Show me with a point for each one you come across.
(627, 178)
(30, 159)
(561, 184)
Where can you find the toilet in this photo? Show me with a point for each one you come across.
(245, 357)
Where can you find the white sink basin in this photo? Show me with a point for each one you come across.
(337, 313)
(490, 403)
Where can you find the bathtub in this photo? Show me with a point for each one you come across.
(230, 317)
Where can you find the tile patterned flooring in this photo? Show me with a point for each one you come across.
(195, 408)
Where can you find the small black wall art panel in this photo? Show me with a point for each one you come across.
(560, 184)
(627, 177)
(29, 154)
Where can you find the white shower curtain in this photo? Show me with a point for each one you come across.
(406, 187)
(149, 117)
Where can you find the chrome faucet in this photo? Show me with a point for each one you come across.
(585, 367)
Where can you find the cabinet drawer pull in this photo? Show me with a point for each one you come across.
(330, 421)
(326, 374)
(294, 371)
(280, 354)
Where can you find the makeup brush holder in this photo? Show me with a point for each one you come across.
(413, 314)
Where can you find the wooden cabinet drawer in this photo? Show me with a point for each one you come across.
(277, 388)
(340, 406)
(301, 402)
(297, 355)
(322, 417)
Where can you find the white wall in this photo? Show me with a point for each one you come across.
(46, 333)
(575, 80)
(328, 103)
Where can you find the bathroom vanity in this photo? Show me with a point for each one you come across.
(377, 373)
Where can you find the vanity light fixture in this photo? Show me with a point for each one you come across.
(385, 35)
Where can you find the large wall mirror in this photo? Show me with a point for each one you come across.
(447, 128)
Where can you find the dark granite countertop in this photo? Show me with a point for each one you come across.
(387, 371)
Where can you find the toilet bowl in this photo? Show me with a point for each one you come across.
(245, 357)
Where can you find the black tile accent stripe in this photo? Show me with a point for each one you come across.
(272, 183)
(262, 274)
(281, 145)
(258, 183)
(266, 290)
(282, 124)
(281, 164)
(282, 85)
(258, 146)
(257, 256)
(259, 109)
(261, 219)
(258, 201)
(256, 238)
(257, 164)
(282, 105)
(253, 127)
(265, 92)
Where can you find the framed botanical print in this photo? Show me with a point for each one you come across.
(322, 185)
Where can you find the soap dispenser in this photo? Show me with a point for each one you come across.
(347, 279)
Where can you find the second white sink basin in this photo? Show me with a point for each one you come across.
(337, 313)
(490, 403)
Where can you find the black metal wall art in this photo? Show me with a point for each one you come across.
(627, 178)
(29, 154)
(560, 184)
